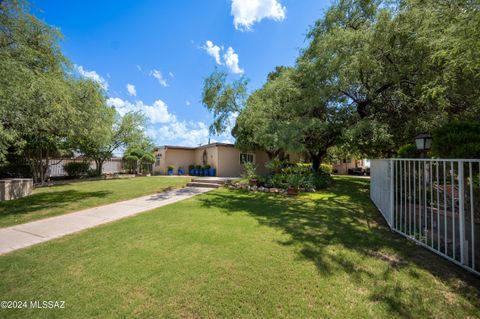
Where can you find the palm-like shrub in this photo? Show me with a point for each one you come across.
(136, 159)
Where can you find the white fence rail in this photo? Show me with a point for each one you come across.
(435, 202)
(55, 169)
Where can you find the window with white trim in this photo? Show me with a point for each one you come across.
(247, 158)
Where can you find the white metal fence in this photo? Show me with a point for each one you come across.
(435, 202)
(55, 168)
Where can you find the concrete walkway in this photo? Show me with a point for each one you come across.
(28, 234)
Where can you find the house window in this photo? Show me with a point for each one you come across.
(246, 158)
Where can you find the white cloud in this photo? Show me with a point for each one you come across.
(122, 107)
(155, 113)
(164, 127)
(116, 102)
(158, 75)
(131, 89)
(187, 103)
(231, 60)
(247, 12)
(183, 133)
(139, 68)
(213, 50)
(92, 75)
(171, 74)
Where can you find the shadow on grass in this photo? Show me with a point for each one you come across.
(343, 216)
(47, 200)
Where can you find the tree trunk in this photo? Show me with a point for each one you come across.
(99, 166)
(45, 168)
(317, 160)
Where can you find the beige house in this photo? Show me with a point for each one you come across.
(225, 158)
(343, 166)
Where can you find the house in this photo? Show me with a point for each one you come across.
(350, 166)
(225, 158)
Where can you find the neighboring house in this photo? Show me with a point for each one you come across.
(225, 158)
(342, 167)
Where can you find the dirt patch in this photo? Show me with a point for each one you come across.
(393, 260)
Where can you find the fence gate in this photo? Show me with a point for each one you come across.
(435, 202)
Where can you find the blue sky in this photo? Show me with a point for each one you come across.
(153, 55)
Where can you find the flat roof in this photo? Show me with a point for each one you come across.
(198, 147)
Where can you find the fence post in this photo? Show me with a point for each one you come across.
(391, 163)
(461, 205)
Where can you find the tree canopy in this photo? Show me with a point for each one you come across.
(372, 76)
(46, 110)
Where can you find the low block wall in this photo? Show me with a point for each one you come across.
(14, 188)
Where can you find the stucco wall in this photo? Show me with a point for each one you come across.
(159, 169)
(226, 159)
(229, 162)
(14, 188)
(212, 156)
(179, 158)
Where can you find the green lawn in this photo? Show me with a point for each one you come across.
(229, 253)
(61, 199)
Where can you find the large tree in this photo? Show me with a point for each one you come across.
(407, 66)
(257, 126)
(46, 110)
(373, 75)
(36, 108)
(115, 133)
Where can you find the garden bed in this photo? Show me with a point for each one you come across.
(264, 189)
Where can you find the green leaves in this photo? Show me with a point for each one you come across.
(458, 139)
(223, 99)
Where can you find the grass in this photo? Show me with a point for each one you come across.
(229, 253)
(61, 199)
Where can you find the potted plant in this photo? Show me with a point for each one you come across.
(206, 170)
(170, 169)
(198, 170)
(191, 169)
(212, 171)
(181, 171)
(294, 182)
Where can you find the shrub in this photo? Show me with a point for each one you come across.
(206, 166)
(249, 171)
(296, 181)
(408, 151)
(275, 165)
(457, 140)
(320, 180)
(301, 176)
(198, 167)
(76, 169)
(170, 167)
(191, 167)
(326, 168)
(265, 180)
(92, 173)
(280, 180)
